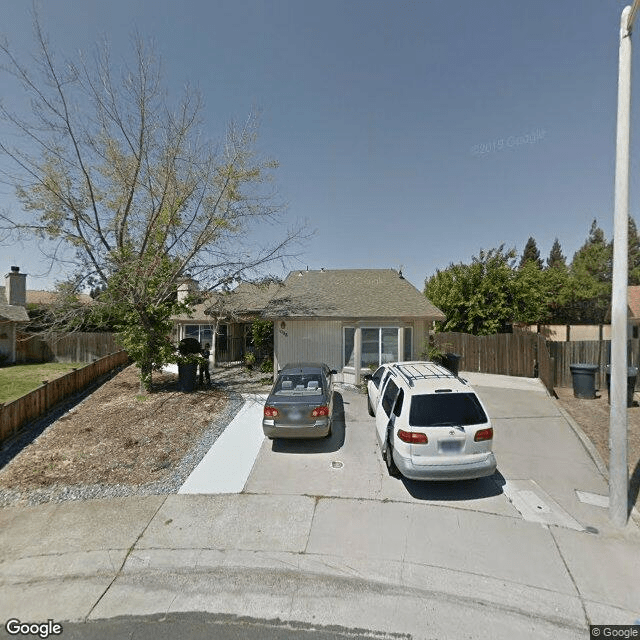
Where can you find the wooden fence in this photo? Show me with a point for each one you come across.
(530, 355)
(588, 352)
(512, 354)
(68, 347)
(14, 415)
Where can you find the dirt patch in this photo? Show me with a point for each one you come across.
(116, 436)
(593, 418)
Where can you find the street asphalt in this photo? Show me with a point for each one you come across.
(288, 539)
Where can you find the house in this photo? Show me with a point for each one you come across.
(352, 319)
(12, 312)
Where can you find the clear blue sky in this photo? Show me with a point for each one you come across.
(409, 133)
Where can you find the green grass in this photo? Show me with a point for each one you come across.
(19, 379)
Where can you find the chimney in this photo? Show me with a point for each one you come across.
(186, 287)
(16, 287)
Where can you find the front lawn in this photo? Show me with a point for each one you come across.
(19, 379)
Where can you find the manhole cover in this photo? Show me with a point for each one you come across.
(336, 464)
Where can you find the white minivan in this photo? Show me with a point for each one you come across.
(430, 424)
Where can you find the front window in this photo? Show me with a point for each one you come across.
(349, 344)
(378, 345)
(201, 332)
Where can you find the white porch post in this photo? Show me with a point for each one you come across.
(357, 352)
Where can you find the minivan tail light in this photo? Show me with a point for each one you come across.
(322, 410)
(271, 412)
(413, 437)
(484, 434)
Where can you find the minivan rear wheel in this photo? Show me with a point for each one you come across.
(369, 409)
(389, 461)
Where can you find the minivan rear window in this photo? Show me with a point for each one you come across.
(446, 409)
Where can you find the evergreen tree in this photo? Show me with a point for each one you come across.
(634, 253)
(556, 259)
(589, 287)
(531, 254)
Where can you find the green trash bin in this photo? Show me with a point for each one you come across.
(632, 374)
(584, 380)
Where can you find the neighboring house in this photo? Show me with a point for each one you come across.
(351, 319)
(224, 319)
(12, 312)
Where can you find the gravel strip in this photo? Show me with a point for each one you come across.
(170, 484)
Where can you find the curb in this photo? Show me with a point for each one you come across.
(591, 450)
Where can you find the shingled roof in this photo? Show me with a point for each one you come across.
(331, 293)
(247, 300)
(350, 293)
(10, 312)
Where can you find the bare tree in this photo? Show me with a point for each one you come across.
(106, 169)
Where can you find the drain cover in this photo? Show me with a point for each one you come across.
(336, 464)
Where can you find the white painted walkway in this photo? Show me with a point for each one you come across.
(227, 465)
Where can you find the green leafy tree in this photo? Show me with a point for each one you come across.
(127, 188)
(478, 297)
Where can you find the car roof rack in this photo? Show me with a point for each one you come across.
(411, 371)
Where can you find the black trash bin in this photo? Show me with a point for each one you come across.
(584, 380)
(451, 362)
(188, 377)
(632, 374)
(188, 372)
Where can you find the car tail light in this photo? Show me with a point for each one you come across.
(322, 410)
(271, 412)
(413, 437)
(484, 434)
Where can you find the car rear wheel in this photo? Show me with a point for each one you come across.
(388, 459)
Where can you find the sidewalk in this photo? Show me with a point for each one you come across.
(529, 560)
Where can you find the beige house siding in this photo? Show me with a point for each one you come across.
(301, 340)
(318, 340)
(576, 332)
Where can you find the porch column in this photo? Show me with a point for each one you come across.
(357, 352)
(400, 344)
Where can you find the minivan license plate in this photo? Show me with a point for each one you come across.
(450, 446)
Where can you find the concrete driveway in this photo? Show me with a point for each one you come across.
(542, 463)
(318, 533)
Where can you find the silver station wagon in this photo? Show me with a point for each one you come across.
(300, 404)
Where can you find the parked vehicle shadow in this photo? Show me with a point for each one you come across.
(320, 445)
(456, 490)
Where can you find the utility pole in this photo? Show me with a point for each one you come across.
(618, 466)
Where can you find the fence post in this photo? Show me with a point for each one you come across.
(45, 384)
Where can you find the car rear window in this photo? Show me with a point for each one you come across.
(446, 409)
(298, 385)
